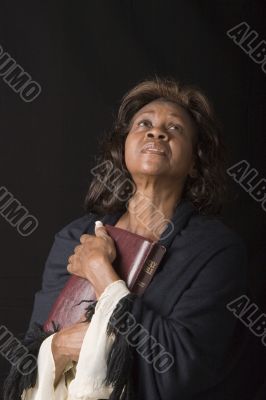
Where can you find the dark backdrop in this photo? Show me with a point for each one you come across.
(86, 55)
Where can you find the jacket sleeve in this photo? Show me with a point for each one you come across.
(55, 273)
(197, 333)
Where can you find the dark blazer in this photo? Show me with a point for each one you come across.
(184, 308)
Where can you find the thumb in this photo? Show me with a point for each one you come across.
(100, 230)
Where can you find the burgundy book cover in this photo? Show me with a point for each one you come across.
(137, 260)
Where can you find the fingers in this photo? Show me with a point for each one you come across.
(77, 249)
(83, 321)
(100, 230)
(71, 263)
(70, 259)
(84, 238)
(69, 267)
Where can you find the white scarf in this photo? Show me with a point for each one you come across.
(84, 380)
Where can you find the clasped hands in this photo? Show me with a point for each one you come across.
(92, 259)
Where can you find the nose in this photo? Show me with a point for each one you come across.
(156, 134)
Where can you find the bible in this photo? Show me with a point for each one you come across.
(137, 259)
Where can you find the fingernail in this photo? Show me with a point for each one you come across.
(98, 223)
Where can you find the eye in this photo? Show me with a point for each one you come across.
(144, 122)
(176, 127)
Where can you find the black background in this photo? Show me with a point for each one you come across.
(86, 55)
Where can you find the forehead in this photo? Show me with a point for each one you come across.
(164, 106)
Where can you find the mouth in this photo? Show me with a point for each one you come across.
(154, 152)
(152, 148)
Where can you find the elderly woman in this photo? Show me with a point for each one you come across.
(166, 143)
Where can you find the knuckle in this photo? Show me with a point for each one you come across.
(85, 237)
(77, 248)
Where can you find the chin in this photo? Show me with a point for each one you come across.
(152, 171)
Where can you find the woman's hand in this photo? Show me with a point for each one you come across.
(93, 258)
(66, 345)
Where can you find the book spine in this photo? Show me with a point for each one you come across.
(149, 268)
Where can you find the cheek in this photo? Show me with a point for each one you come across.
(130, 149)
(130, 144)
(182, 151)
(128, 152)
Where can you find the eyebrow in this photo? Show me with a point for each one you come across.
(173, 114)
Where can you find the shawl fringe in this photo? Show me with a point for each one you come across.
(120, 358)
(119, 361)
(16, 382)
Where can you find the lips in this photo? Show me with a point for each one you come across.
(154, 151)
(153, 148)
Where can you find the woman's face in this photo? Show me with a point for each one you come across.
(169, 129)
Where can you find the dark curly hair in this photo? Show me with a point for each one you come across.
(207, 191)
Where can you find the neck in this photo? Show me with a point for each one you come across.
(148, 212)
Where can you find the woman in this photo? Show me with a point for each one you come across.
(166, 143)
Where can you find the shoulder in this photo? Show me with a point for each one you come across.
(66, 239)
(74, 229)
(223, 252)
(210, 249)
(213, 232)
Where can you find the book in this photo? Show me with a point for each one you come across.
(137, 259)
